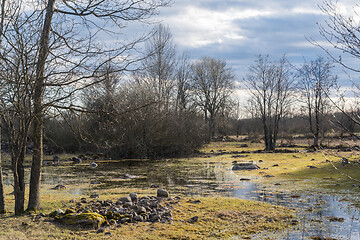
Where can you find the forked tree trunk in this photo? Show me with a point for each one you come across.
(34, 194)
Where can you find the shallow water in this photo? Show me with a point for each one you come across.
(207, 178)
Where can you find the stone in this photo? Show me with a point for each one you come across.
(245, 166)
(59, 187)
(140, 210)
(56, 160)
(193, 219)
(83, 200)
(108, 234)
(311, 167)
(154, 186)
(134, 197)
(60, 211)
(93, 165)
(275, 165)
(139, 218)
(112, 222)
(84, 219)
(94, 195)
(95, 182)
(245, 179)
(162, 193)
(100, 230)
(268, 176)
(76, 160)
(123, 200)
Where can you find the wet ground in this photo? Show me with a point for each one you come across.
(319, 214)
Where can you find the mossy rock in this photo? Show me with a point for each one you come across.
(84, 219)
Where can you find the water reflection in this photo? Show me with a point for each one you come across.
(210, 178)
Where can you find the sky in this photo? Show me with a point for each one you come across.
(239, 30)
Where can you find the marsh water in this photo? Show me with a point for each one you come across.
(324, 215)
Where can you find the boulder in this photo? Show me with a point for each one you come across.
(76, 160)
(84, 219)
(123, 200)
(134, 197)
(244, 166)
(162, 193)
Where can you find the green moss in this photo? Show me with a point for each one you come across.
(85, 219)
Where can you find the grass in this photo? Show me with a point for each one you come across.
(219, 218)
(288, 168)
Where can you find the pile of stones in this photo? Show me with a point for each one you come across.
(127, 209)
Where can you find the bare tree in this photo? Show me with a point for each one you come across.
(183, 83)
(159, 65)
(70, 50)
(315, 84)
(212, 85)
(270, 88)
(2, 199)
(341, 31)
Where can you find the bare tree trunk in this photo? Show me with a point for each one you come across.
(2, 200)
(34, 195)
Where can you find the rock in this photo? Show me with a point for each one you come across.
(244, 145)
(154, 186)
(141, 210)
(123, 200)
(112, 222)
(60, 211)
(311, 167)
(336, 219)
(244, 166)
(108, 234)
(76, 160)
(138, 218)
(94, 196)
(134, 197)
(261, 161)
(268, 176)
(275, 165)
(245, 179)
(56, 160)
(162, 193)
(84, 219)
(73, 200)
(344, 161)
(129, 176)
(277, 184)
(154, 217)
(100, 230)
(124, 220)
(83, 200)
(95, 182)
(59, 187)
(128, 204)
(196, 201)
(193, 219)
(39, 217)
(93, 165)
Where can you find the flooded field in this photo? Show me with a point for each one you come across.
(319, 214)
